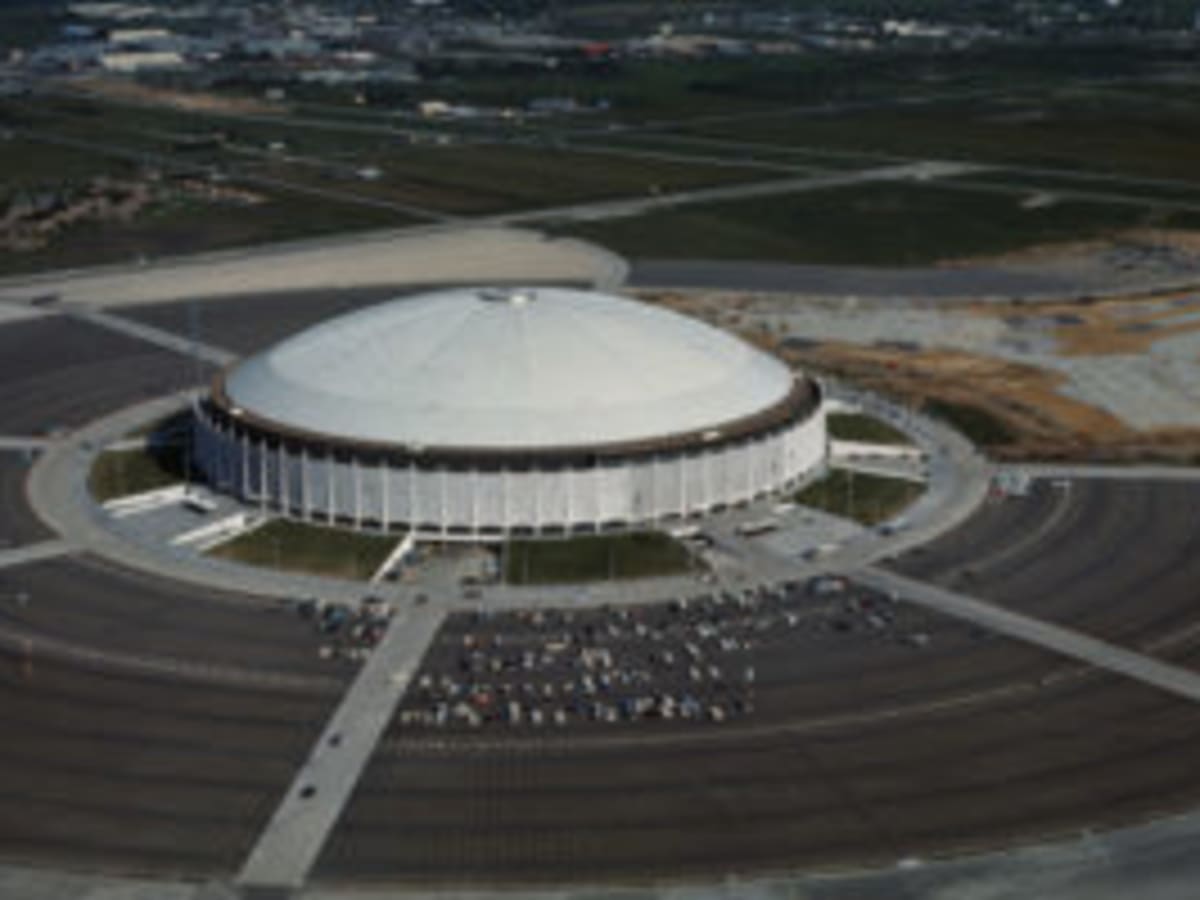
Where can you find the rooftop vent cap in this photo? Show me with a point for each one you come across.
(511, 296)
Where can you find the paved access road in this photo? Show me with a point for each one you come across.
(18, 524)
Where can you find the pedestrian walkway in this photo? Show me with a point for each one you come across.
(1173, 679)
(897, 468)
(289, 846)
(22, 442)
(19, 556)
(1116, 471)
(158, 337)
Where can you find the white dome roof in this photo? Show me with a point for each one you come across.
(508, 369)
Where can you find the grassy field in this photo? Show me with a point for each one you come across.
(594, 558)
(31, 165)
(650, 91)
(300, 547)
(120, 473)
(879, 224)
(488, 178)
(1073, 130)
(1057, 182)
(1082, 110)
(976, 424)
(867, 429)
(185, 225)
(869, 499)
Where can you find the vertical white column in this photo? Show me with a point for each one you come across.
(284, 481)
(708, 488)
(506, 522)
(474, 501)
(262, 474)
(305, 486)
(653, 487)
(445, 510)
(386, 500)
(569, 483)
(357, 469)
(331, 468)
(539, 485)
(414, 519)
(245, 466)
(749, 470)
(683, 480)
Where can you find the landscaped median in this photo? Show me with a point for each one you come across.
(864, 429)
(642, 554)
(147, 459)
(313, 549)
(122, 473)
(868, 499)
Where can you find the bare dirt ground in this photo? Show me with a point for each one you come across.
(1133, 239)
(1044, 422)
(1116, 326)
(130, 92)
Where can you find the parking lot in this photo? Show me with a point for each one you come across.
(1117, 559)
(154, 727)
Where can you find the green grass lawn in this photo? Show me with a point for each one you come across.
(1072, 130)
(27, 165)
(595, 558)
(878, 224)
(316, 550)
(467, 177)
(869, 499)
(487, 178)
(864, 428)
(185, 226)
(120, 473)
(977, 425)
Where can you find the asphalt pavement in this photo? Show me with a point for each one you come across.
(156, 726)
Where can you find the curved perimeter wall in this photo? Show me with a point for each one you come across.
(372, 490)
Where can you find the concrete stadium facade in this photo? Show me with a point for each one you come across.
(483, 413)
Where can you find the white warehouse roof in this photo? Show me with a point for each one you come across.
(508, 369)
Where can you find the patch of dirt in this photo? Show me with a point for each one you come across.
(187, 101)
(31, 220)
(1156, 242)
(1125, 325)
(1047, 425)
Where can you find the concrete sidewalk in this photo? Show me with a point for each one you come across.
(289, 846)
(1064, 641)
(20, 556)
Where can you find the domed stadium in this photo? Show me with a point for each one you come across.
(484, 412)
